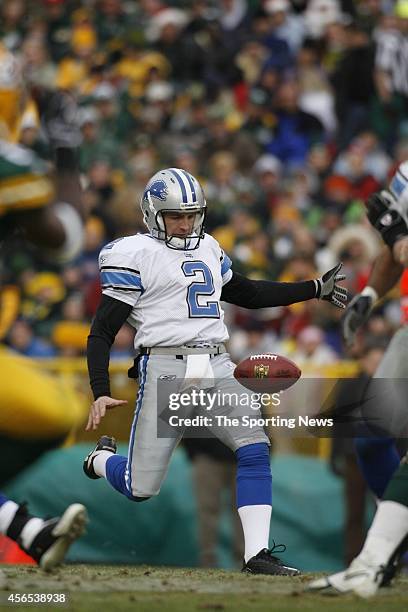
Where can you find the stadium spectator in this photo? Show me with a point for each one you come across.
(296, 130)
(21, 338)
(284, 24)
(353, 83)
(312, 348)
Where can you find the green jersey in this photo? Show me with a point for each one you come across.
(23, 179)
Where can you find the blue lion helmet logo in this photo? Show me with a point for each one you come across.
(158, 190)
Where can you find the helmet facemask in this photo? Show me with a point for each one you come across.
(182, 243)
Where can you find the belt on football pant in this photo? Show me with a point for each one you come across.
(182, 351)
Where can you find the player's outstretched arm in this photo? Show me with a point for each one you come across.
(249, 293)
(59, 118)
(57, 226)
(111, 314)
(388, 266)
(385, 274)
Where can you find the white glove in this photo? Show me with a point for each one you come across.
(357, 313)
(328, 289)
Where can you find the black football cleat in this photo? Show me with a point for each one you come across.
(266, 563)
(105, 443)
(52, 542)
(394, 565)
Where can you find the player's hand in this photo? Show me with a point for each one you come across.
(99, 408)
(59, 117)
(328, 289)
(356, 315)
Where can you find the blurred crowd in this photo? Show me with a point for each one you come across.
(290, 112)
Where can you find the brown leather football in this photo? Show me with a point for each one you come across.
(267, 373)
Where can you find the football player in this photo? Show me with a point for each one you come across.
(388, 213)
(378, 457)
(48, 214)
(169, 284)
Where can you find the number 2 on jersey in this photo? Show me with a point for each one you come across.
(204, 285)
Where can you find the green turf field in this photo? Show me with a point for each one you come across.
(151, 589)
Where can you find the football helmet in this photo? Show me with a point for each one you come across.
(174, 190)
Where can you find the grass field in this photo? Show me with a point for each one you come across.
(152, 589)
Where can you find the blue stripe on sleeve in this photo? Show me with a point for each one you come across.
(225, 264)
(121, 279)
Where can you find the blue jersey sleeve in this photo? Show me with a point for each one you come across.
(226, 267)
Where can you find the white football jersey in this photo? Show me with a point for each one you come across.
(399, 189)
(175, 295)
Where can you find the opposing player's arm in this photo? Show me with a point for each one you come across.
(389, 264)
(49, 212)
(248, 293)
(59, 117)
(385, 274)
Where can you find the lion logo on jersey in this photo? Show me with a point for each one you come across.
(158, 190)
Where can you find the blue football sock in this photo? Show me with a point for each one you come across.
(378, 459)
(254, 479)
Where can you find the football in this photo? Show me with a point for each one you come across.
(267, 373)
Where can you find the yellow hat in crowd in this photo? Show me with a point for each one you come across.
(401, 9)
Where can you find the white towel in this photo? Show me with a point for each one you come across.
(199, 373)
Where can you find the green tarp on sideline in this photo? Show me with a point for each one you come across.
(307, 512)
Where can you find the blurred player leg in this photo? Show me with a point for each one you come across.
(378, 456)
(46, 541)
(368, 571)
